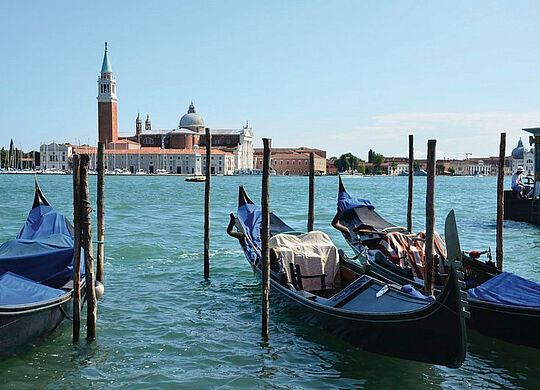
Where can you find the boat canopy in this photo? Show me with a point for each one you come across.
(250, 216)
(314, 253)
(508, 289)
(347, 202)
(43, 250)
(16, 290)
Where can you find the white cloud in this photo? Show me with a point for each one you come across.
(456, 133)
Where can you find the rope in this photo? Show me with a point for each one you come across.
(64, 313)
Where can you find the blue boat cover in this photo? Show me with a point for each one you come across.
(508, 289)
(16, 290)
(347, 202)
(43, 250)
(251, 218)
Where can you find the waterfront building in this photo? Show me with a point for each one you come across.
(55, 157)
(292, 161)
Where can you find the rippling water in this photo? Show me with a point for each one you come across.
(161, 325)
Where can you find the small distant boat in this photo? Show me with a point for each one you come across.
(122, 172)
(162, 172)
(36, 277)
(420, 172)
(326, 289)
(53, 171)
(141, 172)
(195, 178)
(252, 172)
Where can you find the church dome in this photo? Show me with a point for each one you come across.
(191, 120)
(517, 153)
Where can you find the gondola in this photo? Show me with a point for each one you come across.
(36, 277)
(326, 289)
(502, 305)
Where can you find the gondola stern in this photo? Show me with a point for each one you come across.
(39, 198)
(243, 197)
(341, 187)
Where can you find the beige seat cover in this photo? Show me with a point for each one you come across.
(314, 252)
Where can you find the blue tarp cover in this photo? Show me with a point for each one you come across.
(16, 290)
(43, 250)
(347, 202)
(251, 217)
(508, 289)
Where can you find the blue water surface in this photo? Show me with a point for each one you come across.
(161, 325)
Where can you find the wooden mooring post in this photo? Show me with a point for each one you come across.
(76, 249)
(311, 205)
(500, 202)
(86, 227)
(207, 204)
(411, 181)
(430, 218)
(100, 211)
(265, 237)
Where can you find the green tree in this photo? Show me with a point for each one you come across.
(452, 170)
(440, 169)
(416, 166)
(347, 161)
(362, 168)
(378, 159)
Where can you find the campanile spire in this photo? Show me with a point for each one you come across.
(107, 115)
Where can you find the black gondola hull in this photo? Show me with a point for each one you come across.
(22, 327)
(514, 324)
(434, 335)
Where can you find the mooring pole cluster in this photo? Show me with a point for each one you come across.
(82, 210)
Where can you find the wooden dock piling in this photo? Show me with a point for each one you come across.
(100, 211)
(265, 237)
(86, 227)
(207, 205)
(500, 202)
(311, 206)
(429, 274)
(411, 180)
(76, 249)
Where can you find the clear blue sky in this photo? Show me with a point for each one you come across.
(338, 75)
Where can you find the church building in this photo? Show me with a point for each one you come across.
(234, 145)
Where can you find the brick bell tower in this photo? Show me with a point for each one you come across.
(107, 121)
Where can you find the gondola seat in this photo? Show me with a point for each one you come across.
(310, 261)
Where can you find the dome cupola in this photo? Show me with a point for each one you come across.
(517, 153)
(191, 120)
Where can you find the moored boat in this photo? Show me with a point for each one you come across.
(502, 305)
(326, 289)
(36, 277)
(195, 179)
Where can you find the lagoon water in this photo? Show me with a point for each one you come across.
(161, 325)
